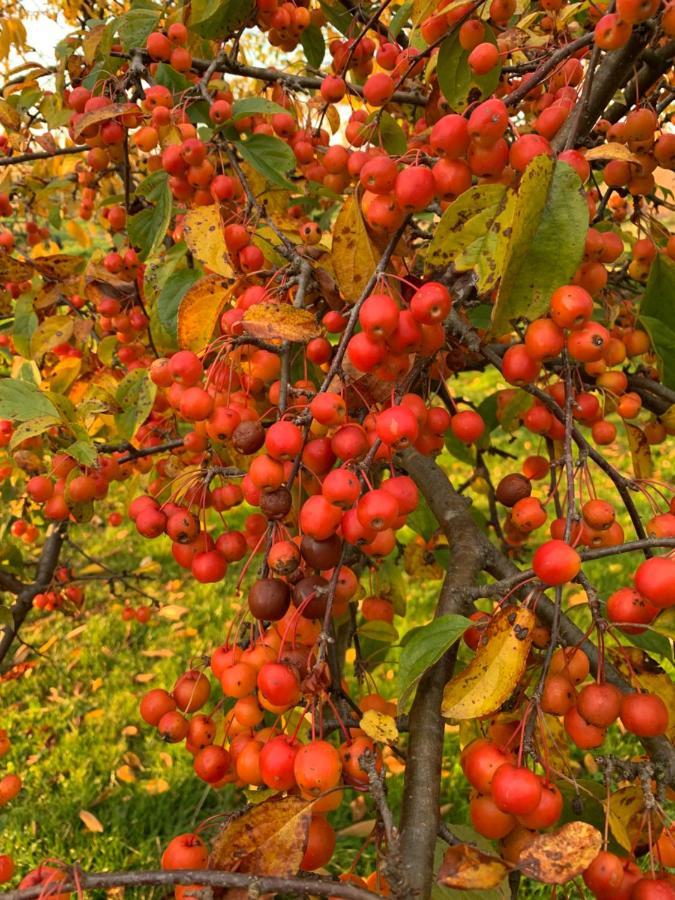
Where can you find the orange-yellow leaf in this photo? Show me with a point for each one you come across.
(91, 823)
(625, 810)
(612, 150)
(156, 786)
(558, 857)
(9, 117)
(493, 673)
(274, 321)
(173, 612)
(464, 867)
(203, 233)
(354, 255)
(12, 269)
(58, 266)
(640, 451)
(200, 310)
(125, 773)
(268, 839)
(112, 111)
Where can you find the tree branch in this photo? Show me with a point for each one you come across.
(41, 154)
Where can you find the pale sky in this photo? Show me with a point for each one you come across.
(43, 33)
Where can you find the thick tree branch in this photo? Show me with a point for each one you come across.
(421, 792)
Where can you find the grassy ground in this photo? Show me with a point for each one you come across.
(79, 744)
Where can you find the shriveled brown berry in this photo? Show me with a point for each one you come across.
(248, 437)
(269, 599)
(513, 488)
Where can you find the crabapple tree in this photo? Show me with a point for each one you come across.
(255, 258)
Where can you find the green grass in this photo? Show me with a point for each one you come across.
(78, 741)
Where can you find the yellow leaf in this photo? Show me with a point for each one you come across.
(611, 150)
(9, 117)
(354, 256)
(379, 726)
(64, 374)
(167, 759)
(156, 786)
(130, 731)
(277, 321)
(173, 612)
(625, 810)
(200, 310)
(50, 333)
(125, 774)
(12, 269)
(55, 266)
(144, 677)
(77, 233)
(558, 857)
(203, 233)
(93, 714)
(464, 867)
(91, 823)
(44, 248)
(640, 451)
(494, 672)
(96, 685)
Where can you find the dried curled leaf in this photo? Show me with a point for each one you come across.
(612, 150)
(200, 310)
(464, 867)
(354, 256)
(558, 857)
(9, 117)
(203, 233)
(267, 839)
(59, 266)
(493, 673)
(274, 321)
(12, 269)
(112, 111)
(91, 823)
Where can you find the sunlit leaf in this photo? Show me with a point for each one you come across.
(494, 672)
(640, 451)
(203, 233)
(200, 310)
(91, 823)
(135, 396)
(354, 256)
(379, 726)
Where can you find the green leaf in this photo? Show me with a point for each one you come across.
(25, 323)
(135, 396)
(455, 78)
(459, 449)
(22, 401)
(653, 642)
(392, 584)
(516, 407)
(338, 15)
(392, 135)
(83, 451)
(657, 313)
(134, 27)
(384, 632)
(425, 648)
(473, 234)
(218, 18)
(422, 520)
(6, 618)
(34, 427)
(173, 291)
(169, 78)
(147, 229)
(664, 623)
(313, 46)
(546, 243)
(269, 156)
(488, 412)
(255, 106)
(399, 18)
